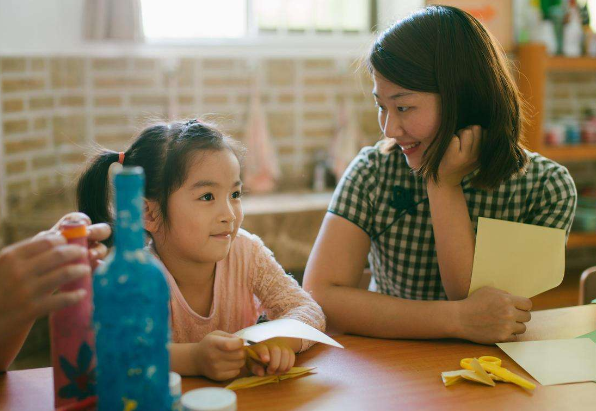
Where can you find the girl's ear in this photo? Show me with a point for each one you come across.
(151, 216)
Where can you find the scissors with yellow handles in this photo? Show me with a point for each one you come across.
(492, 365)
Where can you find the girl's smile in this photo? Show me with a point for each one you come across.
(223, 236)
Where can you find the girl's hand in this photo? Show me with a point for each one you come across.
(220, 356)
(277, 353)
(461, 157)
(97, 233)
(490, 315)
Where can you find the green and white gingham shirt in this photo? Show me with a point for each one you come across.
(380, 194)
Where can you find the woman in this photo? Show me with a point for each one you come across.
(452, 120)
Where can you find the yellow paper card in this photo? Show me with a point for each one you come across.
(285, 327)
(522, 259)
(553, 362)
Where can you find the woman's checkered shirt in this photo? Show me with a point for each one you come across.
(381, 195)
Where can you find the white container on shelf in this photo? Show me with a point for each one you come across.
(548, 37)
(572, 35)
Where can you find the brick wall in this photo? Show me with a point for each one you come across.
(54, 108)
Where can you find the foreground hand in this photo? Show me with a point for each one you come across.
(490, 315)
(30, 271)
(97, 233)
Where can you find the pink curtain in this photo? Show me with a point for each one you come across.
(113, 20)
(347, 140)
(261, 170)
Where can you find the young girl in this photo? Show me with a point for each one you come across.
(452, 120)
(221, 277)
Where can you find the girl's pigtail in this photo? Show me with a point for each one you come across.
(93, 189)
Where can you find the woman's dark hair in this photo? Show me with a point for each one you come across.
(164, 151)
(446, 51)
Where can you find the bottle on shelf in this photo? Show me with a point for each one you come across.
(131, 311)
(573, 32)
(572, 131)
(588, 127)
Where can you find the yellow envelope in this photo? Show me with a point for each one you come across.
(285, 327)
(255, 381)
(522, 259)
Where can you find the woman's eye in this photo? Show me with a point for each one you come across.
(403, 109)
(207, 197)
(236, 194)
(380, 108)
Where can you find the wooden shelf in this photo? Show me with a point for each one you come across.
(571, 63)
(570, 153)
(534, 64)
(581, 240)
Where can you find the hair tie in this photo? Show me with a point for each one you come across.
(121, 157)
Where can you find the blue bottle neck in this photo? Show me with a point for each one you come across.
(129, 233)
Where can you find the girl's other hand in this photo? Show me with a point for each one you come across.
(276, 356)
(461, 157)
(490, 315)
(220, 356)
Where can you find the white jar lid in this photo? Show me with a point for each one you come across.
(175, 384)
(209, 399)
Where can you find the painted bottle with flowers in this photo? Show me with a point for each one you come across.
(131, 315)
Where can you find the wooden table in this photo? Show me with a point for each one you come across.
(375, 374)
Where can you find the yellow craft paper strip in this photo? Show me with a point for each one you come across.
(252, 354)
(480, 373)
(255, 381)
(249, 382)
(296, 372)
(453, 377)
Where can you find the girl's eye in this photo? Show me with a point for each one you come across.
(380, 108)
(403, 109)
(237, 194)
(207, 197)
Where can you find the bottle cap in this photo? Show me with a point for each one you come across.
(73, 229)
(209, 399)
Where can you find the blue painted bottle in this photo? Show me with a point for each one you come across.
(131, 315)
